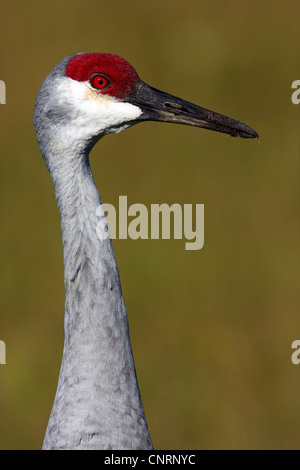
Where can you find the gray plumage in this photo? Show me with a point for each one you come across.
(98, 403)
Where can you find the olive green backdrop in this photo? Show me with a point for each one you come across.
(211, 329)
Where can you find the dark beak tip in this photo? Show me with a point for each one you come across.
(160, 106)
(253, 134)
(249, 134)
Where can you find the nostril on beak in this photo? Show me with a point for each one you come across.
(175, 107)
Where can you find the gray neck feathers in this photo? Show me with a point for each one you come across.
(97, 403)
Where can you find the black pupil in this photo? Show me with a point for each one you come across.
(100, 81)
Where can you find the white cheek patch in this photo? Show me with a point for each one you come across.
(94, 112)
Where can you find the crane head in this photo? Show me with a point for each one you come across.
(108, 79)
(89, 95)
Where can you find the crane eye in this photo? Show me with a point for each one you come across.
(99, 81)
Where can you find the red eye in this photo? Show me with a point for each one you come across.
(98, 81)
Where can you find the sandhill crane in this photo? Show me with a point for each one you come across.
(88, 95)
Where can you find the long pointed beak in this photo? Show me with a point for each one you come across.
(159, 106)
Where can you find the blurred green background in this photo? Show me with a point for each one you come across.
(212, 329)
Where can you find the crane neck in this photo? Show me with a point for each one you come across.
(97, 403)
